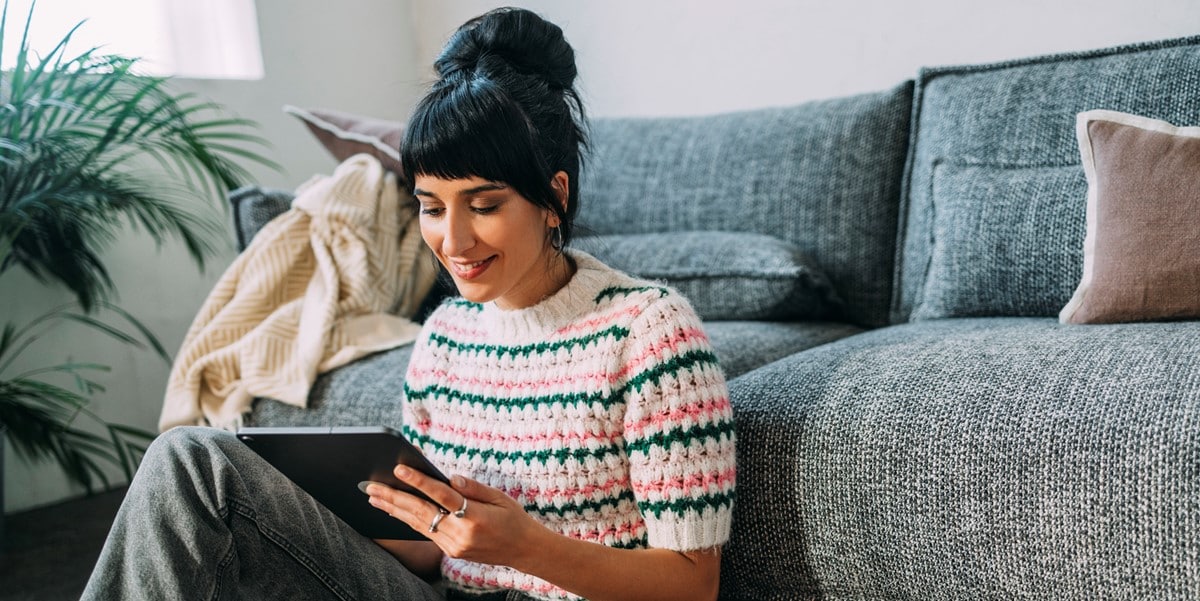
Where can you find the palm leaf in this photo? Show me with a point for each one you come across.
(89, 147)
(40, 415)
(74, 128)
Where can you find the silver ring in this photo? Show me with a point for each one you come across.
(462, 511)
(437, 519)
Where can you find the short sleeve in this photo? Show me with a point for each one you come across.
(678, 429)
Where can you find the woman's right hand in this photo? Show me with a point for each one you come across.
(493, 529)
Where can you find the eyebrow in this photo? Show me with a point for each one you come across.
(469, 191)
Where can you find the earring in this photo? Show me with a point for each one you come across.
(556, 238)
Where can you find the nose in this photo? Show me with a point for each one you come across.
(459, 236)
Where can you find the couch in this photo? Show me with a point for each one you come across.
(914, 421)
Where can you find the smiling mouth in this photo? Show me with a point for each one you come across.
(468, 271)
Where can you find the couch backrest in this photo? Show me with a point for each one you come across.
(995, 196)
(824, 176)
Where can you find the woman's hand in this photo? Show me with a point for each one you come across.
(496, 530)
(492, 530)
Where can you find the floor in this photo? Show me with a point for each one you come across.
(49, 552)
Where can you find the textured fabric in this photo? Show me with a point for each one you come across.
(743, 346)
(310, 293)
(723, 275)
(601, 409)
(824, 176)
(1013, 124)
(368, 391)
(254, 207)
(1006, 458)
(207, 518)
(1003, 258)
(1142, 249)
(345, 135)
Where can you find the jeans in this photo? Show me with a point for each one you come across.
(207, 518)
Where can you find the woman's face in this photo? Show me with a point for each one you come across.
(490, 238)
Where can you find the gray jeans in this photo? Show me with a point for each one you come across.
(206, 518)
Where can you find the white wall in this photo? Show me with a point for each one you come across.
(636, 57)
(662, 57)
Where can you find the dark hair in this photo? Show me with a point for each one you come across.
(504, 108)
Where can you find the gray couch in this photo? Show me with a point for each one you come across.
(935, 433)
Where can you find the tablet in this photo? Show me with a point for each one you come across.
(329, 463)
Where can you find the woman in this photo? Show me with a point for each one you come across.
(581, 412)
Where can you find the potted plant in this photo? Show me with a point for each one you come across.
(88, 148)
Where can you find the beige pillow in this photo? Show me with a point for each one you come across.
(345, 135)
(1141, 256)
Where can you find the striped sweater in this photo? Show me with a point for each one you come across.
(601, 409)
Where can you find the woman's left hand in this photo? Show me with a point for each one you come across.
(491, 530)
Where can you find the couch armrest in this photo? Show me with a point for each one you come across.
(253, 207)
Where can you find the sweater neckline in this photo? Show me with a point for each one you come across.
(558, 310)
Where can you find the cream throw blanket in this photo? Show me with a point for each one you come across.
(321, 285)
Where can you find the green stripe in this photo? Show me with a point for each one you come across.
(514, 403)
(688, 360)
(499, 350)
(639, 543)
(465, 304)
(541, 456)
(579, 508)
(615, 291)
(675, 364)
(685, 435)
(689, 504)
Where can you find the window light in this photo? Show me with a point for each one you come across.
(214, 39)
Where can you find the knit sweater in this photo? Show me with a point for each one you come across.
(601, 409)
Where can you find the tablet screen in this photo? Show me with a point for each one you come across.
(329, 463)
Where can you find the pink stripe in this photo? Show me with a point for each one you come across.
(709, 411)
(556, 439)
(632, 530)
(706, 411)
(419, 374)
(656, 351)
(443, 326)
(594, 324)
(458, 574)
(550, 495)
(703, 481)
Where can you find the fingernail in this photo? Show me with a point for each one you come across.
(402, 472)
(458, 482)
(363, 486)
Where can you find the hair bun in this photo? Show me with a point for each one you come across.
(512, 38)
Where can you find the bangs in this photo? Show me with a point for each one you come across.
(473, 130)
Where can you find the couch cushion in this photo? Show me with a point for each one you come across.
(742, 346)
(996, 458)
(824, 176)
(347, 134)
(995, 195)
(725, 275)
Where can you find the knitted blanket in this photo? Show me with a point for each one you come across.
(331, 280)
